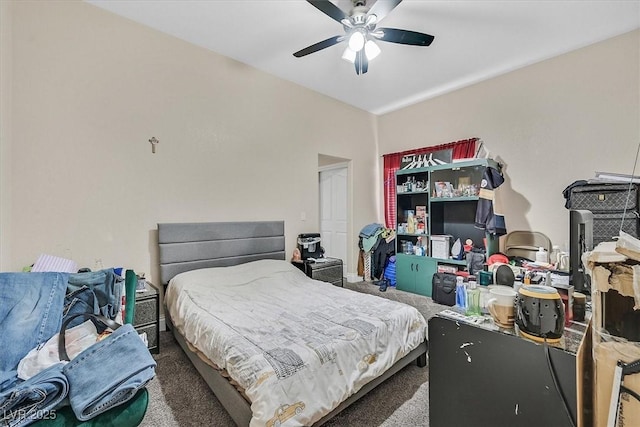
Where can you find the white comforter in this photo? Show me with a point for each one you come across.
(297, 346)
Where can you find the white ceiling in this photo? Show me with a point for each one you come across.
(474, 40)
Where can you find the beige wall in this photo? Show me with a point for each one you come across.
(83, 90)
(5, 130)
(550, 124)
(91, 88)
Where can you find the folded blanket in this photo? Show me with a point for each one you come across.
(370, 230)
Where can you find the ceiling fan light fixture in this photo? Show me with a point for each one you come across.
(371, 49)
(356, 41)
(349, 55)
(361, 32)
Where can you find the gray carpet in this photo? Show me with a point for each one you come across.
(179, 397)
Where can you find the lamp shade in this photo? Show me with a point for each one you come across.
(356, 41)
(349, 55)
(371, 49)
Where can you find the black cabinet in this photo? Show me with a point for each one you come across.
(481, 377)
(330, 270)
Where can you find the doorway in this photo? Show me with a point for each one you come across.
(333, 185)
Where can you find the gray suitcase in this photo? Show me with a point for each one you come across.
(606, 226)
(614, 207)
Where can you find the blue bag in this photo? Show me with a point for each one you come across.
(390, 270)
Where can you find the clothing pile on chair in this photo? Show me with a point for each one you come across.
(34, 308)
(377, 246)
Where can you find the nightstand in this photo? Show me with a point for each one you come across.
(329, 270)
(146, 316)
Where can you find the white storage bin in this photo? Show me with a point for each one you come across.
(440, 246)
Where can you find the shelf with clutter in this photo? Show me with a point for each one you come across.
(437, 221)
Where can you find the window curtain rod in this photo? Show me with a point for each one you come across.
(476, 142)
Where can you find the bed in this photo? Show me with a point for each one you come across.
(275, 346)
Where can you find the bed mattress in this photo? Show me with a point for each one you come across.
(297, 346)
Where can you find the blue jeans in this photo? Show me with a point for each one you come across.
(108, 373)
(34, 398)
(97, 292)
(31, 307)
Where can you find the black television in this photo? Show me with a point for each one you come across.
(580, 241)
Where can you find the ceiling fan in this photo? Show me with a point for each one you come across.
(361, 32)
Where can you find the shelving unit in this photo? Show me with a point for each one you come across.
(449, 196)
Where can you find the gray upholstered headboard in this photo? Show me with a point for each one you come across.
(189, 246)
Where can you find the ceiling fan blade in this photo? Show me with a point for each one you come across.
(382, 7)
(365, 62)
(361, 63)
(318, 46)
(395, 35)
(329, 9)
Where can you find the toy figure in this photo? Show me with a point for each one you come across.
(297, 256)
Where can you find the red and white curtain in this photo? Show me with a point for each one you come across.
(463, 149)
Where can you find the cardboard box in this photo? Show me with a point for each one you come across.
(606, 356)
(613, 302)
(584, 380)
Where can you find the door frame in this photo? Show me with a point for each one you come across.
(341, 165)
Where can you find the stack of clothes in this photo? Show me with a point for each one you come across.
(377, 245)
(37, 380)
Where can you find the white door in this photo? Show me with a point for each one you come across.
(333, 212)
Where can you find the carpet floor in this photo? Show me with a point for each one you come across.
(178, 396)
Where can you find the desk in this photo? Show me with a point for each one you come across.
(481, 377)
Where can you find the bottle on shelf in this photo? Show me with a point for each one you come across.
(419, 248)
(411, 223)
(461, 294)
(473, 299)
(542, 256)
(554, 255)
